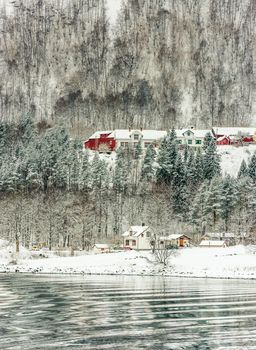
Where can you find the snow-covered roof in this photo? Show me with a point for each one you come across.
(97, 134)
(236, 131)
(172, 237)
(196, 132)
(125, 134)
(101, 246)
(206, 243)
(135, 231)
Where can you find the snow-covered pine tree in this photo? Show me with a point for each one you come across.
(120, 177)
(148, 171)
(179, 189)
(213, 202)
(85, 175)
(207, 141)
(228, 199)
(252, 168)
(243, 171)
(167, 158)
(195, 169)
(211, 161)
(197, 212)
(138, 150)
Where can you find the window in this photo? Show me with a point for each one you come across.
(133, 243)
(124, 144)
(178, 142)
(127, 242)
(190, 142)
(198, 142)
(136, 136)
(146, 144)
(142, 235)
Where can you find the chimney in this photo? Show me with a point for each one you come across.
(141, 129)
(143, 224)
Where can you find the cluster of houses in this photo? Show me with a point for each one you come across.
(108, 141)
(144, 238)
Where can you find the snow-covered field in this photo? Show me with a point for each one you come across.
(231, 157)
(232, 262)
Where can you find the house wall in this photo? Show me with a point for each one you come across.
(138, 243)
(191, 141)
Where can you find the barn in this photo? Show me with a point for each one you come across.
(101, 141)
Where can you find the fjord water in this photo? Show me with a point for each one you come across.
(107, 312)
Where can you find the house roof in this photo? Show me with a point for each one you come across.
(237, 131)
(126, 134)
(97, 134)
(135, 231)
(172, 237)
(196, 132)
(206, 243)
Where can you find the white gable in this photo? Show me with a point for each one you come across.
(197, 133)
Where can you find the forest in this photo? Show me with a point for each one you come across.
(165, 63)
(53, 191)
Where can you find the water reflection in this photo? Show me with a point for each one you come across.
(95, 312)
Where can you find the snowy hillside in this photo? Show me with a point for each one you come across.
(231, 157)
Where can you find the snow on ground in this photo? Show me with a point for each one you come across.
(231, 157)
(232, 262)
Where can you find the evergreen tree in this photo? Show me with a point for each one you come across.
(228, 199)
(208, 139)
(148, 171)
(85, 175)
(213, 202)
(196, 174)
(252, 168)
(138, 150)
(197, 213)
(179, 189)
(167, 158)
(187, 152)
(120, 178)
(243, 171)
(211, 161)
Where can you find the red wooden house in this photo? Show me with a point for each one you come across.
(223, 141)
(100, 141)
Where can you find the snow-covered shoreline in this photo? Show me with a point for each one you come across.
(231, 263)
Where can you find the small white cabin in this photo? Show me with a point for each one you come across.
(138, 238)
(99, 248)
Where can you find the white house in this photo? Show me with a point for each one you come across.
(138, 237)
(192, 137)
(130, 138)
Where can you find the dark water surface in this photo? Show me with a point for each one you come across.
(95, 312)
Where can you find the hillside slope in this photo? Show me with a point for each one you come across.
(165, 63)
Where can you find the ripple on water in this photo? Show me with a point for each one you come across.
(96, 312)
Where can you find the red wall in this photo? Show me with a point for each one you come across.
(94, 144)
